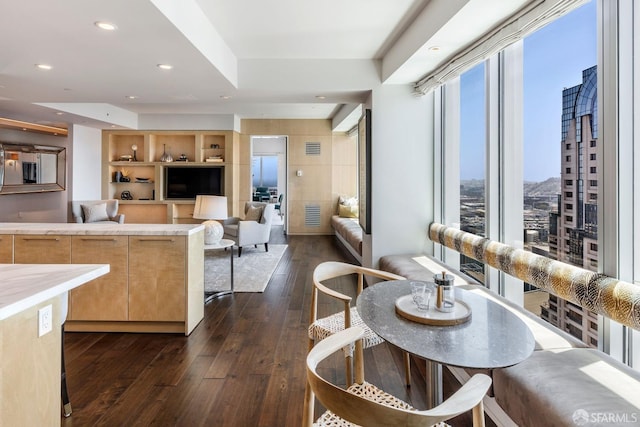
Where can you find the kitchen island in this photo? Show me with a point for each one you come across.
(156, 281)
(30, 359)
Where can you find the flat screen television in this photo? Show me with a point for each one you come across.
(185, 182)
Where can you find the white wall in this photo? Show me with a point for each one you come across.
(402, 173)
(87, 163)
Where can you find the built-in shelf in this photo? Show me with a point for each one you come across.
(197, 146)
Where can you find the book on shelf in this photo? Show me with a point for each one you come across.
(215, 159)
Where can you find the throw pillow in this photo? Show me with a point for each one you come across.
(254, 214)
(94, 213)
(348, 211)
(348, 201)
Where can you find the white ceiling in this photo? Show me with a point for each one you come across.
(273, 58)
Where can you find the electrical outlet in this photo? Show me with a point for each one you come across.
(45, 320)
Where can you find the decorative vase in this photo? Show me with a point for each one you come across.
(166, 157)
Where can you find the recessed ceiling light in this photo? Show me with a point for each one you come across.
(44, 66)
(225, 97)
(103, 25)
(321, 97)
(434, 48)
(131, 97)
(165, 66)
(59, 113)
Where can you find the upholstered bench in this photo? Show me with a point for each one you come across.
(349, 233)
(569, 386)
(561, 381)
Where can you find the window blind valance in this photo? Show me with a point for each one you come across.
(530, 18)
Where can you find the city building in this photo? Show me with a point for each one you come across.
(573, 234)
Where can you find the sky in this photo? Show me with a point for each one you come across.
(554, 57)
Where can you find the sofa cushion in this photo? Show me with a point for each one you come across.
(95, 213)
(231, 230)
(573, 386)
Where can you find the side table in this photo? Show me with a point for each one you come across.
(223, 244)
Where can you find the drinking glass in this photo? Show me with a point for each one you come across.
(421, 294)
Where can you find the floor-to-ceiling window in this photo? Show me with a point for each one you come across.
(573, 159)
(559, 158)
(472, 161)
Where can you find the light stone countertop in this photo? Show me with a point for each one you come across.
(23, 286)
(100, 229)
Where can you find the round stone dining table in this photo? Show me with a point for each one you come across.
(493, 337)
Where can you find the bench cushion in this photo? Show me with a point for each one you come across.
(547, 336)
(349, 229)
(419, 267)
(552, 387)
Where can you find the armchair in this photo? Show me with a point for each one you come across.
(255, 229)
(100, 211)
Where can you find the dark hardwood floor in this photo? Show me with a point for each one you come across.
(244, 365)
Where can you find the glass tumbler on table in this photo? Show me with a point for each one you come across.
(421, 294)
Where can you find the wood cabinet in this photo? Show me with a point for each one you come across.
(157, 278)
(145, 171)
(6, 249)
(107, 297)
(42, 249)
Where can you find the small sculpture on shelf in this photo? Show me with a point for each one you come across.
(166, 157)
(182, 158)
(134, 147)
(124, 175)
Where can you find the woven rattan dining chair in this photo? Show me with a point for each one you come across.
(366, 405)
(321, 328)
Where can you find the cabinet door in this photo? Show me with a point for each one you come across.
(157, 278)
(104, 298)
(6, 249)
(42, 249)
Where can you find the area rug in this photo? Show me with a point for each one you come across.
(251, 271)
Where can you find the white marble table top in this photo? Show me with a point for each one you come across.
(100, 229)
(25, 285)
(222, 244)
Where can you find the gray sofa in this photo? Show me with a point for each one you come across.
(563, 383)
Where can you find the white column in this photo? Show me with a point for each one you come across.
(402, 173)
(451, 164)
(511, 160)
(619, 205)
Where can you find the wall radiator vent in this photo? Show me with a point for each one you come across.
(312, 216)
(312, 149)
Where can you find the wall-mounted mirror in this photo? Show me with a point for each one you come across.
(31, 168)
